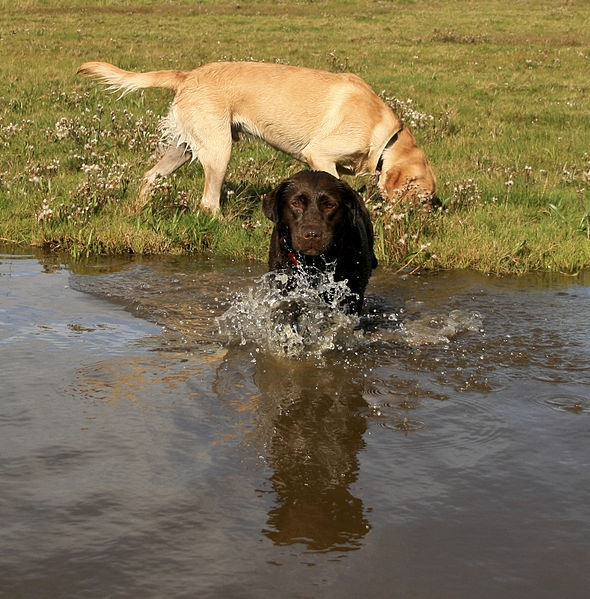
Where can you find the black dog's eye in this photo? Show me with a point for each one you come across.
(328, 204)
(297, 203)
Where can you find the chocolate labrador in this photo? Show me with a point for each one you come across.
(320, 223)
(334, 122)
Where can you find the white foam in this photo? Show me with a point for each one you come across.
(437, 330)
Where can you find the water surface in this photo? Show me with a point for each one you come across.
(159, 438)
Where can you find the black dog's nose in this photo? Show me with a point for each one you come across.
(312, 235)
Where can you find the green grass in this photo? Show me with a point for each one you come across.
(499, 102)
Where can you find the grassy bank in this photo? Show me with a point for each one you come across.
(496, 94)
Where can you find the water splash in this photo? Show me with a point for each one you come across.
(301, 320)
(300, 316)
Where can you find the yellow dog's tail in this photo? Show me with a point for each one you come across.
(129, 81)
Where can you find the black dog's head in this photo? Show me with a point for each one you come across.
(321, 220)
(311, 208)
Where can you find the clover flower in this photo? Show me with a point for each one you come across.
(46, 213)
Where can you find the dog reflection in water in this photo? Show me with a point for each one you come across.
(309, 424)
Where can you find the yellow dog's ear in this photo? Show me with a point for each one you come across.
(272, 200)
(392, 180)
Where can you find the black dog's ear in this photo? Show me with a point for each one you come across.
(272, 200)
(361, 217)
(353, 201)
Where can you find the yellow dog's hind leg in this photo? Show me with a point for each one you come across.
(174, 157)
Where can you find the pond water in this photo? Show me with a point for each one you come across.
(161, 436)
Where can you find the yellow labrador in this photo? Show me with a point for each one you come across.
(332, 121)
